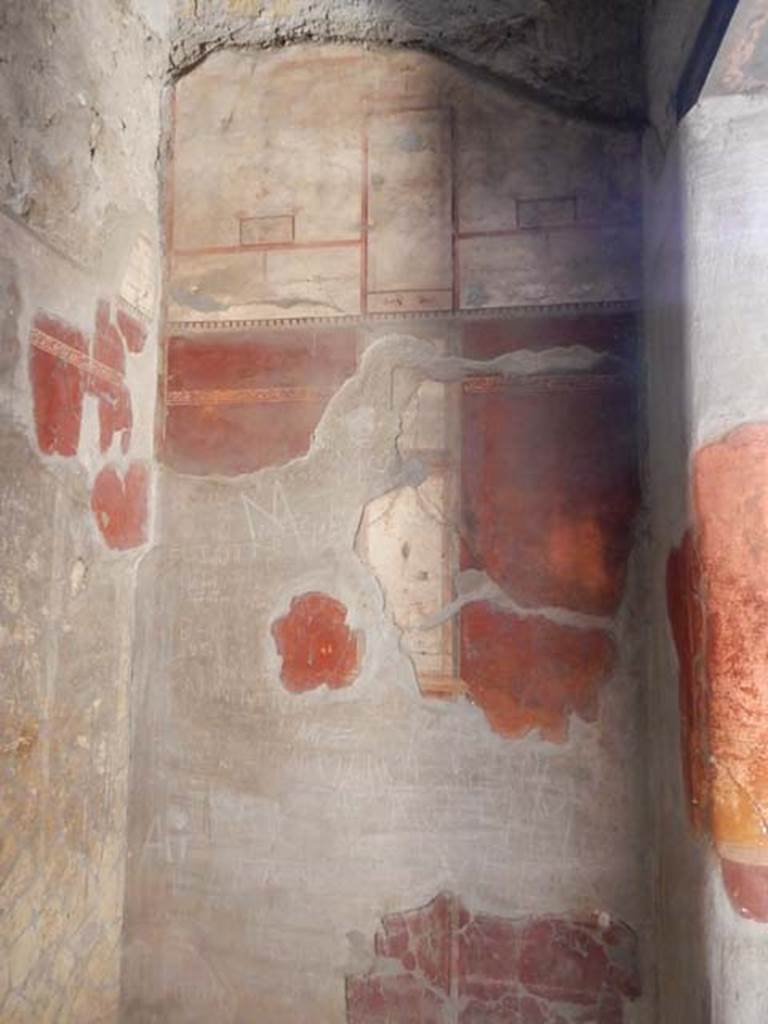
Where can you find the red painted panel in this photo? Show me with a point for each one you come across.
(531, 673)
(316, 645)
(547, 970)
(550, 488)
(115, 415)
(747, 888)
(120, 505)
(717, 587)
(58, 370)
(239, 402)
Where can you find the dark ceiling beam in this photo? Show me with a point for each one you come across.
(708, 42)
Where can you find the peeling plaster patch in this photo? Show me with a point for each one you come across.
(316, 645)
(440, 964)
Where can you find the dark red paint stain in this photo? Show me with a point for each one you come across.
(531, 673)
(684, 605)
(120, 505)
(550, 488)
(239, 402)
(747, 888)
(133, 331)
(441, 964)
(58, 386)
(316, 645)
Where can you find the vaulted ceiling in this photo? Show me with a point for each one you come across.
(582, 56)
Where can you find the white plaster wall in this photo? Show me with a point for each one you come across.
(706, 246)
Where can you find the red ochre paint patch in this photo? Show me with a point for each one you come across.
(133, 331)
(531, 673)
(120, 505)
(440, 963)
(316, 645)
(58, 369)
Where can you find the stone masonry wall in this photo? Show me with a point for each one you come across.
(80, 87)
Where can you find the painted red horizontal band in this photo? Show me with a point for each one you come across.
(247, 396)
(47, 343)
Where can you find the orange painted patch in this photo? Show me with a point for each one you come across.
(316, 645)
(441, 963)
(730, 483)
(530, 673)
(120, 506)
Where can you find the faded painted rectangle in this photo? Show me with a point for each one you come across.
(261, 230)
(580, 264)
(410, 301)
(409, 201)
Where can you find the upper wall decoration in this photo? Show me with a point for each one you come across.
(333, 182)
